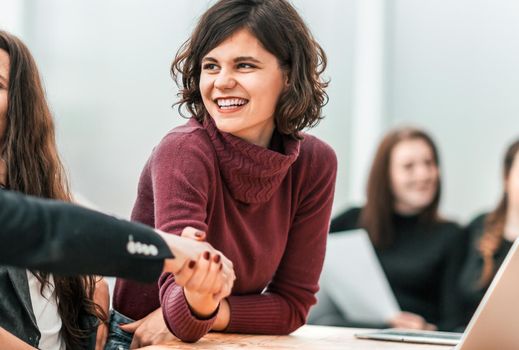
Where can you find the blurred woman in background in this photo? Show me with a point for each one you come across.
(491, 236)
(418, 250)
(42, 310)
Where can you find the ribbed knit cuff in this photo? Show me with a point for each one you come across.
(179, 318)
(256, 314)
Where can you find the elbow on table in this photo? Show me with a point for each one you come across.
(189, 338)
(186, 335)
(289, 327)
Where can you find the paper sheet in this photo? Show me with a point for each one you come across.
(354, 279)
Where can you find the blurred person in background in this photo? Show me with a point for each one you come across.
(419, 250)
(491, 236)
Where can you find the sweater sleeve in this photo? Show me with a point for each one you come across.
(284, 305)
(180, 170)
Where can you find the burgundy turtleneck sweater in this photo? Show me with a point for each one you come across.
(267, 210)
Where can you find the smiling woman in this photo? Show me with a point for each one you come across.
(419, 251)
(240, 84)
(242, 170)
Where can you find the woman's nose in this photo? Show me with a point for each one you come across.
(225, 80)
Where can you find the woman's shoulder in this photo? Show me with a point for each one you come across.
(448, 229)
(187, 138)
(316, 161)
(186, 147)
(316, 151)
(346, 220)
(192, 129)
(478, 220)
(476, 226)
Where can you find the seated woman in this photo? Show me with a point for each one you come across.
(418, 250)
(42, 310)
(490, 236)
(242, 170)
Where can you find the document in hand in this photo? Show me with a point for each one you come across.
(355, 281)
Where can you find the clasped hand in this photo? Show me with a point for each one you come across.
(206, 275)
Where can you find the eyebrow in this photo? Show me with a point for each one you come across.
(236, 60)
(4, 79)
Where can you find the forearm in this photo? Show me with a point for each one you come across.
(102, 296)
(180, 319)
(267, 313)
(9, 341)
(60, 238)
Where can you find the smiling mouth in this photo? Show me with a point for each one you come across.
(227, 104)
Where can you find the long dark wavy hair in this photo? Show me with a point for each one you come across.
(34, 168)
(494, 225)
(282, 32)
(376, 216)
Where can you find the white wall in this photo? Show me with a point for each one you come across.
(450, 66)
(454, 70)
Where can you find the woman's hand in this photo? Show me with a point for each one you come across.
(188, 249)
(211, 283)
(150, 330)
(409, 320)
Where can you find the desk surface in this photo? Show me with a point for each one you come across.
(305, 338)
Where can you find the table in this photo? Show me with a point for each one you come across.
(305, 338)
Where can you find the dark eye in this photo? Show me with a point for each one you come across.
(209, 66)
(408, 166)
(244, 65)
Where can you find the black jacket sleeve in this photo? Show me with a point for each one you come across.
(62, 238)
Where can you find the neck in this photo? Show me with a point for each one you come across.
(406, 210)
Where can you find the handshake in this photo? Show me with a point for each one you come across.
(205, 273)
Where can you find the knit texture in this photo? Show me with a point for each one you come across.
(267, 210)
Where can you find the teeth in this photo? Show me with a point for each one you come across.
(230, 102)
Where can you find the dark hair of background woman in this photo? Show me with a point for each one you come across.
(495, 223)
(34, 167)
(282, 32)
(377, 215)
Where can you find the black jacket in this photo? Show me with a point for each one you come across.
(61, 238)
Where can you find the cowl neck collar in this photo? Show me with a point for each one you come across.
(252, 173)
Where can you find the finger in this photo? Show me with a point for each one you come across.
(224, 292)
(200, 272)
(135, 343)
(215, 279)
(228, 273)
(430, 327)
(131, 327)
(226, 262)
(183, 276)
(193, 233)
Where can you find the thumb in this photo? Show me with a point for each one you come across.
(131, 327)
(193, 233)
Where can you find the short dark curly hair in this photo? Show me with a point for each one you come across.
(282, 32)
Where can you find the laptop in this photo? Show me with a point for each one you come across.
(494, 325)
